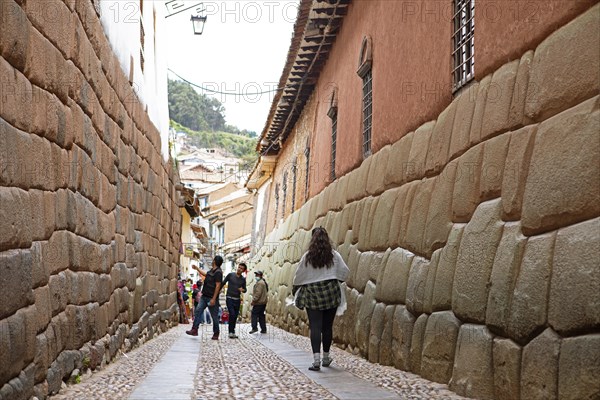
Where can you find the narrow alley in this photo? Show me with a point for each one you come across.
(174, 366)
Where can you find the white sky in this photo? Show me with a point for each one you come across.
(243, 50)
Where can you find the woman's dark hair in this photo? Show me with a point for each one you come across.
(319, 250)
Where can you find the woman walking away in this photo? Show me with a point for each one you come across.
(317, 288)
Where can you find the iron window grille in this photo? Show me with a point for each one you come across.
(283, 203)
(276, 202)
(333, 146)
(294, 179)
(307, 155)
(367, 112)
(463, 43)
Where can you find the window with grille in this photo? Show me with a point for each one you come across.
(367, 112)
(294, 179)
(463, 43)
(332, 113)
(285, 175)
(276, 202)
(307, 155)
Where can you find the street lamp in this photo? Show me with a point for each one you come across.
(198, 22)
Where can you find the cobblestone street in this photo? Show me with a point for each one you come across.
(271, 366)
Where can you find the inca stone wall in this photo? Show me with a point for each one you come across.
(89, 225)
(473, 242)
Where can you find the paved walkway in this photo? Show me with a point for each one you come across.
(271, 366)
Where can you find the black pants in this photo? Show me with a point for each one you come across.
(233, 306)
(258, 317)
(321, 328)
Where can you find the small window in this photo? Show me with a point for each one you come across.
(332, 113)
(365, 64)
(307, 156)
(285, 175)
(294, 178)
(276, 202)
(463, 43)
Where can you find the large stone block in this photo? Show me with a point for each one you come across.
(416, 343)
(516, 168)
(437, 154)
(377, 263)
(439, 215)
(579, 368)
(517, 105)
(503, 279)
(563, 183)
(476, 124)
(402, 330)
(492, 168)
(499, 97)
(366, 222)
(14, 34)
(357, 186)
(507, 369)
(363, 318)
(15, 214)
(475, 260)
(352, 262)
(379, 165)
(397, 165)
(361, 207)
(444, 275)
(473, 373)
(401, 214)
(430, 283)
(415, 290)
(417, 221)
(385, 345)
(415, 167)
(465, 196)
(574, 295)
(439, 345)
(530, 296)
(565, 67)
(540, 383)
(377, 324)
(465, 107)
(15, 281)
(379, 238)
(393, 277)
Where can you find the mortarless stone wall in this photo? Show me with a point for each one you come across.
(473, 242)
(89, 215)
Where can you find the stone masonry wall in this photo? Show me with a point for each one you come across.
(473, 242)
(89, 224)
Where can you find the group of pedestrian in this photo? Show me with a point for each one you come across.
(316, 287)
(208, 298)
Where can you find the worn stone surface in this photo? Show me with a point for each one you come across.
(437, 154)
(465, 107)
(439, 215)
(357, 186)
(400, 214)
(439, 344)
(475, 260)
(565, 67)
(444, 276)
(478, 112)
(473, 374)
(385, 345)
(516, 114)
(530, 297)
(417, 221)
(377, 325)
(516, 168)
(579, 367)
(393, 277)
(379, 238)
(416, 343)
(505, 271)
(376, 179)
(507, 369)
(363, 318)
(397, 166)
(415, 167)
(492, 167)
(536, 382)
(415, 290)
(498, 101)
(401, 337)
(574, 294)
(562, 184)
(465, 197)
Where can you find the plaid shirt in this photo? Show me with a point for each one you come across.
(322, 295)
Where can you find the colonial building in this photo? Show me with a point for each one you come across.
(451, 150)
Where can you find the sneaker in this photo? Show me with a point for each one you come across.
(263, 331)
(253, 331)
(233, 336)
(327, 361)
(316, 366)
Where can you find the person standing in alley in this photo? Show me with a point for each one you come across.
(236, 285)
(210, 297)
(317, 289)
(259, 303)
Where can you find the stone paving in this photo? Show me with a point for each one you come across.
(270, 366)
